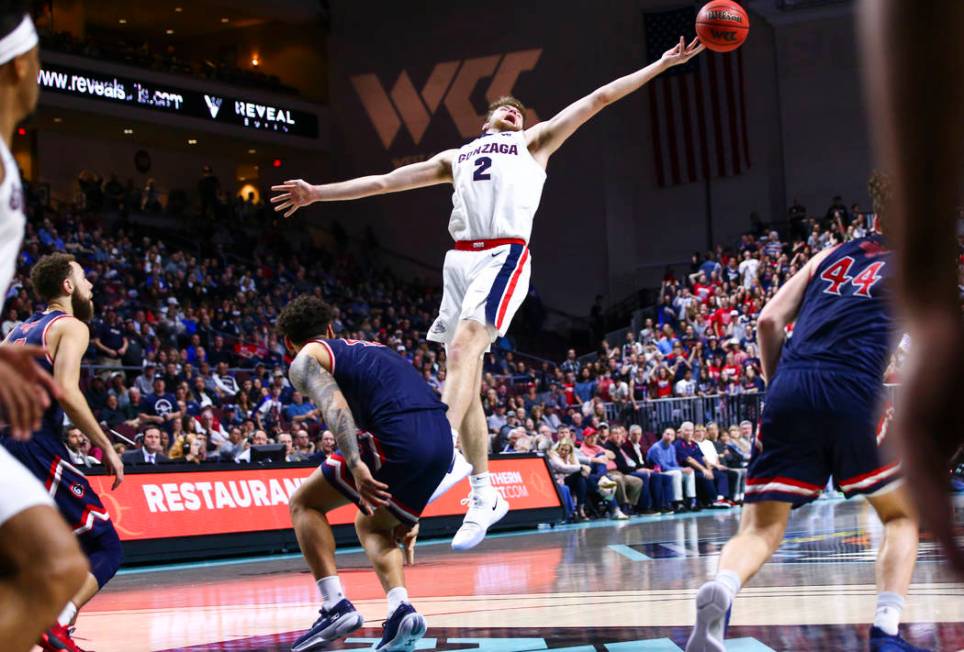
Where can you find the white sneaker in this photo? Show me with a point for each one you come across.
(619, 515)
(485, 509)
(712, 603)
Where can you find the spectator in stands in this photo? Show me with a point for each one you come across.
(151, 450)
(259, 438)
(11, 322)
(571, 364)
(159, 407)
(291, 455)
(110, 342)
(231, 450)
(628, 488)
(713, 462)
(145, 381)
(663, 459)
(628, 468)
(78, 448)
(710, 487)
(571, 475)
(326, 444)
(731, 459)
(660, 484)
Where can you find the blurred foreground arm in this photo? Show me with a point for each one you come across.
(913, 58)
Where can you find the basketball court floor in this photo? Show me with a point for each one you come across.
(616, 586)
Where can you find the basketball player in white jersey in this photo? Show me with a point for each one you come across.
(498, 181)
(43, 565)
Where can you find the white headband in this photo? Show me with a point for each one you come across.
(20, 40)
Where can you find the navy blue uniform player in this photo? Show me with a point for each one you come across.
(62, 332)
(395, 446)
(823, 406)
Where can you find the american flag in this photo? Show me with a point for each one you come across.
(697, 110)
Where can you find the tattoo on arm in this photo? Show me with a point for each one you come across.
(312, 380)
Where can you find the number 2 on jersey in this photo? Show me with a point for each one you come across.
(482, 164)
(837, 276)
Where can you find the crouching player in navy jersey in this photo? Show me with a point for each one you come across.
(394, 449)
(822, 419)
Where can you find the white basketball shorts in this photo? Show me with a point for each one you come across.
(485, 281)
(19, 489)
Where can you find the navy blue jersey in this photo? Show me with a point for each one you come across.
(377, 382)
(34, 331)
(846, 323)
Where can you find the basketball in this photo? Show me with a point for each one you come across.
(722, 25)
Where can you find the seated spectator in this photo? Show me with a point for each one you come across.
(326, 445)
(159, 407)
(710, 487)
(151, 450)
(300, 411)
(571, 476)
(78, 448)
(662, 458)
(661, 484)
(230, 450)
(713, 462)
(291, 453)
(628, 488)
(259, 438)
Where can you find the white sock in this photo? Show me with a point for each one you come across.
(67, 614)
(396, 597)
(331, 591)
(730, 581)
(889, 606)
(480, 481)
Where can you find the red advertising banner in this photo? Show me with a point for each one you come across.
(251, 499)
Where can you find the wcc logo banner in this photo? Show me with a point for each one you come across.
(450, 83)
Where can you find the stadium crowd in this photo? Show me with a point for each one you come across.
(142, 55)
(184, 363)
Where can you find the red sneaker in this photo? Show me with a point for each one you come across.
(57, 639)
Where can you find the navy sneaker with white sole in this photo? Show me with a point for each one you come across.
(402, 630)
(332, 624)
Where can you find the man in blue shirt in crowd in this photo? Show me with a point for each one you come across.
(663, 455)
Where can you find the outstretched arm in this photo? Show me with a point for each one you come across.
(296, 193)
(546, 137)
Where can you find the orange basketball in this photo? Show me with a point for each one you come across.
(722, 25)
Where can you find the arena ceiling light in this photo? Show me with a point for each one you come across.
(192, 141)
(122, 21)
(128, 131)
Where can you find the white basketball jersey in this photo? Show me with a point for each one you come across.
(12, 219)
(498, 185)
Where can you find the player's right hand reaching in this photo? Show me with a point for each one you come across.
(295, 193)
(374, 494)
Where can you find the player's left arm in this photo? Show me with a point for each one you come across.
(311, 379)
(546, 137)
(70, 339)
(780, 311)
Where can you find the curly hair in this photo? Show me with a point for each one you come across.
(303, 318)
(48, 275)
(505, 100)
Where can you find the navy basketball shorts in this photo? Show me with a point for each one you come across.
(815, 426)
(410, 452)
(47, 460)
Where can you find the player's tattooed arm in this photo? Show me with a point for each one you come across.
(314, 381)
